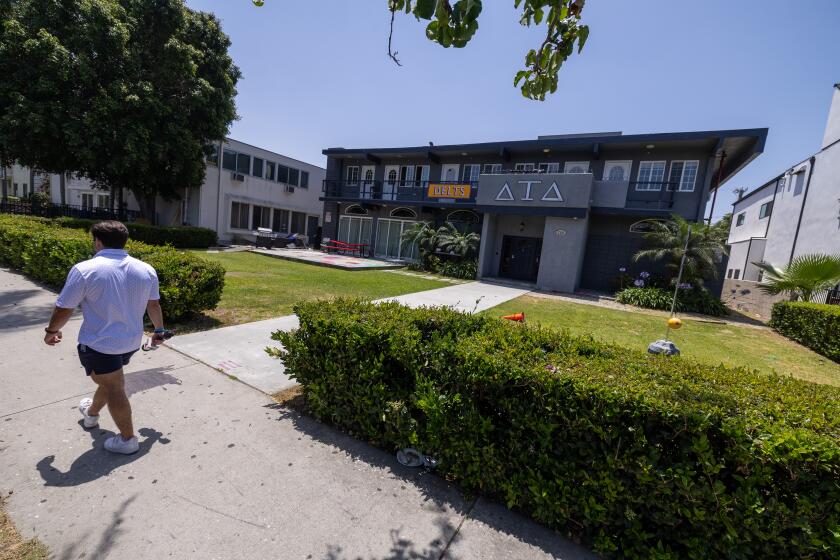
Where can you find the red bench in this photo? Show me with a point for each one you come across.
(342, 247)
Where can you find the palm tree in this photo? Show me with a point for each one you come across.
(421, 234)
(464, 245)
(803, 277)
(667, 240)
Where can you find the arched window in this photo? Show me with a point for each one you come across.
(403, 213)
(369, 175)
(616, 173)
(643, 226)
(392, 176)
(463, 217)
(356, 209)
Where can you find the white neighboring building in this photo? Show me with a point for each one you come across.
(793, 214)
(19, 181)
(252, 188)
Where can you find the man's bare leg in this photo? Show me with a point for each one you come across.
(100, 398)
(114, 386)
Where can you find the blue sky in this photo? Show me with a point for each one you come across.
(316, 75)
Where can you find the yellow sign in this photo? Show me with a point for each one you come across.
(449, 190)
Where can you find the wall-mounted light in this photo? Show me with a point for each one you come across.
(463, 153)
(559, 232)
(521, 227)
(546, 150)
(650, 146)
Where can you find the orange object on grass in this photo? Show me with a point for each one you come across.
(518, 317)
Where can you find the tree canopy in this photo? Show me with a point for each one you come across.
(454, 23)
(126, 92)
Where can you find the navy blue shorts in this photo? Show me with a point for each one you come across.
(99, 363)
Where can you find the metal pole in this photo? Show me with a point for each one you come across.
(679, 277)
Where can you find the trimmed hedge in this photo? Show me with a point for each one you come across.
(188, 283)
(696, 300)
(815, 325)
(637, 456)
(181, 237)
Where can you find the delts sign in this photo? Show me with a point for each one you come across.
(449, 190)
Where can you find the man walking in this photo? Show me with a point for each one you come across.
(113, 290)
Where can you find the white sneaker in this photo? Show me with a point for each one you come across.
(90, 421)
(117, 444)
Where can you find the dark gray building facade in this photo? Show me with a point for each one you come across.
(561, 212)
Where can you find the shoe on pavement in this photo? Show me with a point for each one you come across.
(90, 421)
(118, 444)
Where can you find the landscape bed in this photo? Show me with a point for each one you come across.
(636, 456)
(46, 252)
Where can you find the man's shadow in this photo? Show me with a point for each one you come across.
(96, 462)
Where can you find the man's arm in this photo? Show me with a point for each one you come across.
(155, 314)
(59, 318)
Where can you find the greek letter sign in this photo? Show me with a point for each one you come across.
(449, 190)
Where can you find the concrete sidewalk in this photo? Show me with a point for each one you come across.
(223, 471)
(240, 350)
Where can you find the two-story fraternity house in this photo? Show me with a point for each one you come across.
(562, 212)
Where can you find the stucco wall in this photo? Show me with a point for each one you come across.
(820, 228)
(564, 241)
(746, 297)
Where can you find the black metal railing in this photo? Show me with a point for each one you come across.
(50, 210)
(651, 195)
(396, 191)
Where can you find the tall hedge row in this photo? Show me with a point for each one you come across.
(637, 456)
(181, 237)
(814, 325)
(46, 252)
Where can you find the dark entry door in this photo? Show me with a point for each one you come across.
(313, 231)
(520, 258)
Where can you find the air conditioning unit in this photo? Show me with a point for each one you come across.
(237, 177)
(289, 189)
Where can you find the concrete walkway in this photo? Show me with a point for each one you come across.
(223, 472)
(240, 350)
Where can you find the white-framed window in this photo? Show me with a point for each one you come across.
(403, 213)
(353, 174)
(269, 170)
(549, 168)
(354, 229)
(683, 175)
(280, 224)
(524, 167)
(617, 170)
(739, 220)
(651, 175)
(389, 239)
(576, 167)
(471, 172)
(355, 209)
(294, 177)
(261, 217)
(463, 217)
(644, 226)
(304, 180)
(87, 199)
(103, 201)
(258, 167)
(239, 215)
(411, 174)
(492, 168)
(765, 210)
(236, 162)
(282, 174)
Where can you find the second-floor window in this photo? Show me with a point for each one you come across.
(650, 177)
(258, 167)
(411, 173)
(304, 180)
(269, 170)
(765, 210)
(471, 172)
(683, 175)
(739, 221)
(353, 175)
(234, 161)
(524, 167)
(576, 167)
(549, 168)
(492, 168)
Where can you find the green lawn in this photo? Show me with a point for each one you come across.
(260, 287)
(712, 343)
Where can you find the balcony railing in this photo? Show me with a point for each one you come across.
(651, 195)
(398, 191)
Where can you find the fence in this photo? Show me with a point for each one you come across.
(50, 210)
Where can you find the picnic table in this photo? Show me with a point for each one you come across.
(341, 247)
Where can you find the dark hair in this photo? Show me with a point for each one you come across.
(111, 233)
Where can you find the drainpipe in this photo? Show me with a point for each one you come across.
(812, 161)
(717, 187)
(219, 159)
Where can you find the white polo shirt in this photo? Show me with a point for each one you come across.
(113, 290)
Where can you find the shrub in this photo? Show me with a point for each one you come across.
(696, 300)
(814, 325)
(461, 268)
(44, 252)
(636, 455)
(181, 237)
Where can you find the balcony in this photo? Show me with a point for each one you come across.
(405, 192)
(645, 195)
